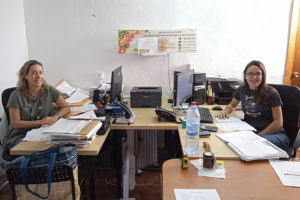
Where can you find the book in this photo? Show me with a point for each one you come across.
(250, 146)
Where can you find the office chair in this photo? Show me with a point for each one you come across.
(5, 96)
(38, 175)
(290, 96)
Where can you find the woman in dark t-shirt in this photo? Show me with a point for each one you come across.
(261, 105)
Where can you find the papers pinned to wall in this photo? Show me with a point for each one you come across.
(157, 42)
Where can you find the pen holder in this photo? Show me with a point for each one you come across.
(208, 160)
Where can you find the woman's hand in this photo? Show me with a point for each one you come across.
(48, 121)
(225, 113)
(228, 109)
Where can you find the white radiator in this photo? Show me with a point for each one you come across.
(145, 148)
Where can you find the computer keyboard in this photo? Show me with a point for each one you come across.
(205, 115)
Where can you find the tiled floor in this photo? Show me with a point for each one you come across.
(147, 184)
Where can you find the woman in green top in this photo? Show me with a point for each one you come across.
(31, 105)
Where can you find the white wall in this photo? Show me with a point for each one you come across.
(13, 43)
(76, 46)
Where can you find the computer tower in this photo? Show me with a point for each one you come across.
(199, 94)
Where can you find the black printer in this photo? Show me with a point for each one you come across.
(223, 89)
(145, 97)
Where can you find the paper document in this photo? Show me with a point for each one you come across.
(257, 150)
(85, 107)
(67, 126)
(65, 88)
(287, 171)
(197, 194)
(250, 146)
(77, 96)
(216, 172)
(239, 136)
(235, 126)
(88, 115)
(37, 134)
(230, 119)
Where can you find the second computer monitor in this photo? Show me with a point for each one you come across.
(183, 86)
(116, 84)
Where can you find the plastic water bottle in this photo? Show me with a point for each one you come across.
(192, 131)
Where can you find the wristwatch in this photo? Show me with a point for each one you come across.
(59, 116)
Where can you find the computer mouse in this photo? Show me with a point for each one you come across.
(217, 108)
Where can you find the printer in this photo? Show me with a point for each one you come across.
(223, 89)
(145, 97)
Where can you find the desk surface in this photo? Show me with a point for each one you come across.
(146, 118)
(219, 148)
(244, 180)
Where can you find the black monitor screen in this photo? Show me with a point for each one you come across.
(183, 86)
(116, 84)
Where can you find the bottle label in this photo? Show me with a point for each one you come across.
(193, 128)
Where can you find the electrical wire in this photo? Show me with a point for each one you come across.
(169, 81)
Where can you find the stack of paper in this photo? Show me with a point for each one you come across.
(75, 96)
(249, 146)
(233, 124)
(79, 132)
(65, 88)
(88, 116)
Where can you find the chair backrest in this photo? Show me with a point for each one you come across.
(5, 96)
(38, 175)
(290, 96)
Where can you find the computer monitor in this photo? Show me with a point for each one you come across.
(116, 84)
(183, 86)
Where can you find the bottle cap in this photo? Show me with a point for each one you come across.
(193, 103)
(208, 154)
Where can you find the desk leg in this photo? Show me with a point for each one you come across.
(117, 138)
(129, 168)
(92, 178)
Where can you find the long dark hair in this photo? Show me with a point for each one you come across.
(260, 93)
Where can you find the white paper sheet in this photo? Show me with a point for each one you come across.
(77, 96)
(239, 136)
(235, 126)
(230, 119)
(287, 171)
(197, 194)
(217, 172)
(37, 135)
(67, 126)
(88, 115)
(65, 88)
(85, 107)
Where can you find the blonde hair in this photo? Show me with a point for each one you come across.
(22, 82)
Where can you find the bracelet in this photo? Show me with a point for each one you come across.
(59, 116)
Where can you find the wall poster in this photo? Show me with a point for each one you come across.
(157, 42)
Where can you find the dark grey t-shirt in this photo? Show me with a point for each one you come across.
(30, 109)
(258, 115)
